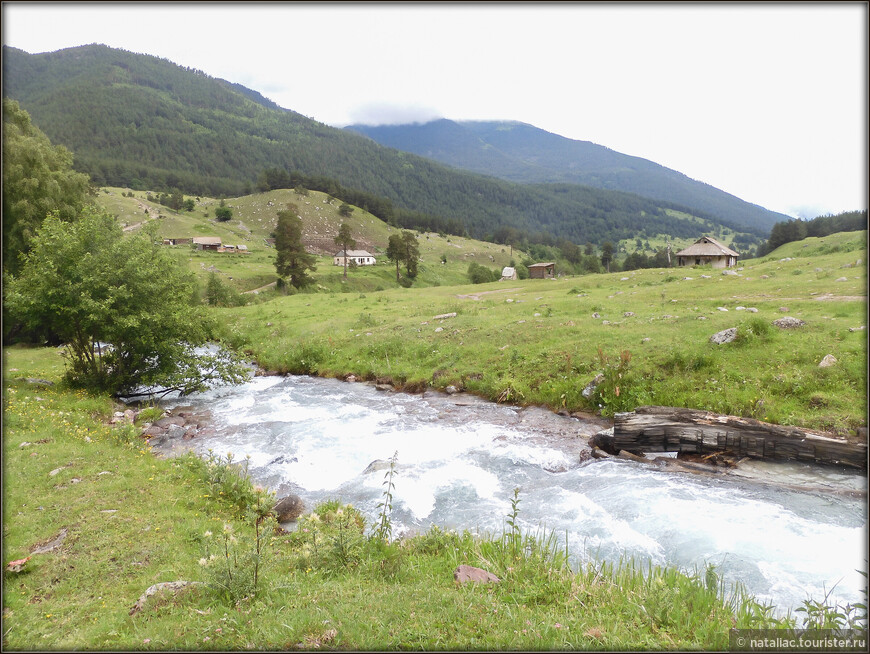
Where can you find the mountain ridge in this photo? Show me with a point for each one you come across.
(141, 121)
(519, 152)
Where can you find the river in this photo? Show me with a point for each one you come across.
(459, 459)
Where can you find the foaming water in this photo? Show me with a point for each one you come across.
(458, 465)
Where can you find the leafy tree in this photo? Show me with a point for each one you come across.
(345, 241)
(123, 306)
(293, 261)
(223, 213)
(189, 204)
(218, 294)
(396, 250)
(345, 209)
(478, 274)
(38, 178)
(606, 254)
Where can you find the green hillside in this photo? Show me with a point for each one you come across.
(141, 122)
(444, 259)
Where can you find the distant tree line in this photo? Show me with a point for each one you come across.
(797, 230)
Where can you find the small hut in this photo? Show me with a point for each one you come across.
(508, 274)
(542, 270)
(707, 250)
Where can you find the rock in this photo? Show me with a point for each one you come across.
(451, 390)
(167, 422)
(828, 361)
(702, 317)
(439, 329)
(841, 279)
(51, 545)
(628, 314)
(288, 508)
(721, 309)
(153, 431)
(175, 431)
(857, 329)
(752, 309)
(788, 322)
(729, 272)
(445, 315)
(467, 573)
(725, 336)
(645, 339)
(173, 586)
(740, 308)
(350, 378)
(383, 387)
(706, 277)
(39, 382)
(591, 386)
(765, 276)
(596, 315)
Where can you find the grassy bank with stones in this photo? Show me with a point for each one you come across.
(92, 519)
(647, 332)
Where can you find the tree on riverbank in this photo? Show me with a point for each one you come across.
(126, 310)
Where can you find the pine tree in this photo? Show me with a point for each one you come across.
(292, 260)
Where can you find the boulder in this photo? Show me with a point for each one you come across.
(451, 390)
(468, 573)
(591, 386)
(788, 322)
(725, 336)
(288, 508)
(828, 361)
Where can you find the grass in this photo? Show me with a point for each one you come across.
(538, 342)
(133, 520)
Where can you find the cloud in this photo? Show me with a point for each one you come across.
(383, 113)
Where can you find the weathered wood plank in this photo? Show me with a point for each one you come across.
(669, 429)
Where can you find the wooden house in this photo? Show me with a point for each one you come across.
(359, 257)
(707, 251)
(207, 242)
(542, 270)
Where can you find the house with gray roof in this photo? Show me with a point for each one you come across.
(707, 251)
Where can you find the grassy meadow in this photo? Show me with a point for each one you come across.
(648, 331)
(121, 520)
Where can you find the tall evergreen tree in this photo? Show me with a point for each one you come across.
(345, 241)
(293, 261)
(395, 251)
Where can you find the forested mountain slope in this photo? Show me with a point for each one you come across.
(143, 122)
(523, 153)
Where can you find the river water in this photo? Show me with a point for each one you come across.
(459, 459)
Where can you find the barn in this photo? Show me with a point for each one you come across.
(542, 270)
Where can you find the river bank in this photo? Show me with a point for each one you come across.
(132, 520)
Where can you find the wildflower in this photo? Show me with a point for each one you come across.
(203, 561)
(207, 534)
(313, 517)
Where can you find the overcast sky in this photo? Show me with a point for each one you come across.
(765, 101)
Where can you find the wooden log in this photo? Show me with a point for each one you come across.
(672, 429)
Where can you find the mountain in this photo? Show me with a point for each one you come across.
(518, 152)
(143, 122)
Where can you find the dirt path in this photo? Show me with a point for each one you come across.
(476, 296)
(262, 288)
